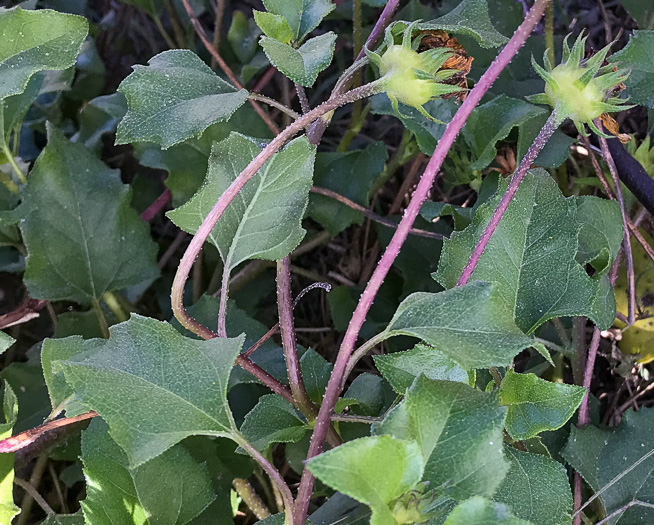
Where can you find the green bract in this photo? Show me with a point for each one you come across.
(410, 77)
(581, 89)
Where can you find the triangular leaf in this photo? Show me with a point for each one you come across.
(82, 236)
(459, 432)
(175, 97)
(536, 405)
(153, 386)
(264, 222)
(531, 257)
(469, 324)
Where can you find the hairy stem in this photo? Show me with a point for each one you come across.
(541, 139)
(230, 193)
(631, 281)
(272, 472)
(289, 343)
(251, 498)
(337, 378)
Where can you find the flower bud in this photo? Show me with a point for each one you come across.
(410, 77)
(579, 89)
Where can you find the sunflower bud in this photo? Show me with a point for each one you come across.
(581, 89)
(410, 77)
(411, 507)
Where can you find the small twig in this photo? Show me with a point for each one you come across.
(158, 205)
(347, 418)
(545, 133)
(170, 251)
(223, 65)
(624, 508)
(35, 480)
(631, 281)
(26, 311)
(274, 103)
(35, 495)
(371, 214)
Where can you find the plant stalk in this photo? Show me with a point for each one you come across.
(543, 136)
(289, 343)
(337, 378)
(230, 193)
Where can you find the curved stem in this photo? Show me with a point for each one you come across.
(337, 378)
(234, 188)
(363, 350)
(12, 162)
(272, 102)
(222, 309)
(272, 472)
(543, 136)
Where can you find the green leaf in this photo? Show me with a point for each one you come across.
(302, 16)
(459, 432)
(531, 257)
(620, 462)
(641, 12)
(153, 386)
(637, 56)
(264, 222)
(536, 489)
(82, 237)
(175, 97)
(272, 420)
(536, 405)
(373, 470)
(301, 65)
(98, 117)
(600, 236)
(10, 412)
(401, 368)
(469, 17)
(5, 341)
(480, 511)
(243, 36)
(171, 489)
(492, 122)
(470, 324)
(35, 41)
(315, 373)
(273, 26)
(350, 174)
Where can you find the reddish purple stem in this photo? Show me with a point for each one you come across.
(158, 205)
(337, 378)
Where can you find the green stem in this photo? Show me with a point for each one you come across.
(393, 164)
(549, 32)
(358, 119)
(13, 163)
(162, 31)
(101, 318)
(9, 184)
(114, 305)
